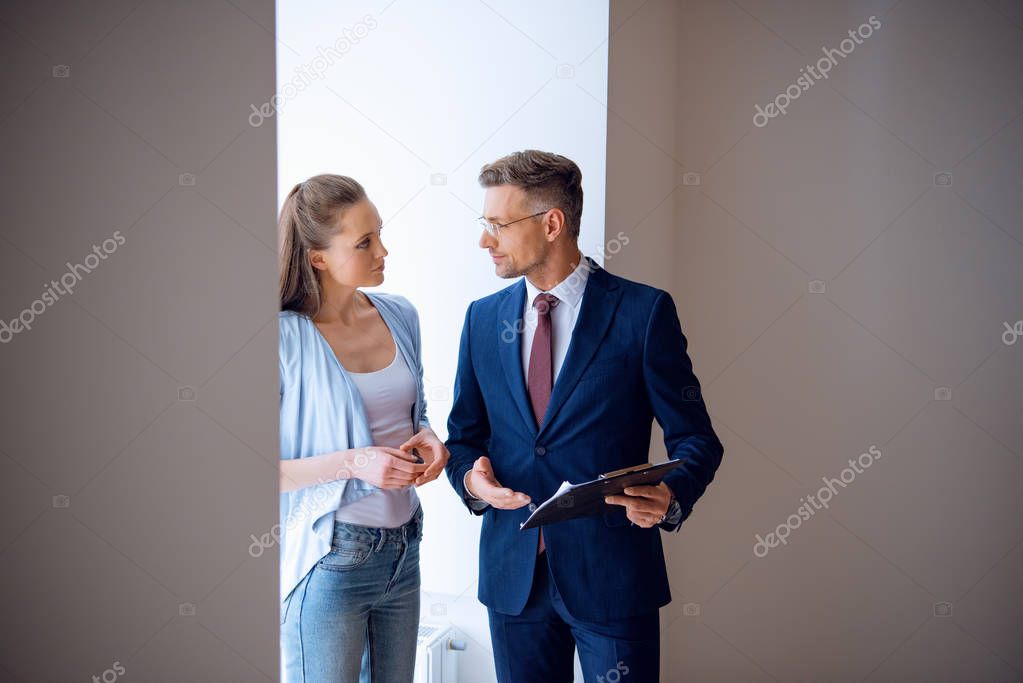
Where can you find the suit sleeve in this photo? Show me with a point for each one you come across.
(677, 402)
(468, 426)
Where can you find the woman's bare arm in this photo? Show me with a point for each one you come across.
(386, 468)
(316, 469)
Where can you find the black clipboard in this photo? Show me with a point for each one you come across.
(580, 500)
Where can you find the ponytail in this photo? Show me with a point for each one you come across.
(309, 220)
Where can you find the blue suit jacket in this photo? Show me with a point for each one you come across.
(626, 365)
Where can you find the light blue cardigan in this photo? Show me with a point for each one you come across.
(322, 412)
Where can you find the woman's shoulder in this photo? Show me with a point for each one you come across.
(400, 309)
(395, 303)
(290, 320)
(291, 326)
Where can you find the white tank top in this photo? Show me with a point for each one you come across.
(388, 396)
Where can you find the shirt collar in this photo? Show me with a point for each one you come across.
(569, 290)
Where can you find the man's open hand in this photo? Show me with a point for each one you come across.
(482, 483)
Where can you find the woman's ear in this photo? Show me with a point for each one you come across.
(316, 259)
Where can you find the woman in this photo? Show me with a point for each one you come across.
(353, 427)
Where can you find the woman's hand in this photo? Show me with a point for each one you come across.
(385, 468)
(433, 452)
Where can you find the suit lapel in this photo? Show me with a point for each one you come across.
(509, 342)
(600, 299)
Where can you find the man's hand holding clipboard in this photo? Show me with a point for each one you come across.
(645, 506)
(638, 489)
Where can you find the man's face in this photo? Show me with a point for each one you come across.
(517, 248)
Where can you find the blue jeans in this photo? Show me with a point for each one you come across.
(355, 615)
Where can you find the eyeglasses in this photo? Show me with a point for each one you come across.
(494, 228)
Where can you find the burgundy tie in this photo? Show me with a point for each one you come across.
(540, 376)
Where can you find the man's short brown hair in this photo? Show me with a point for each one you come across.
(550, 181)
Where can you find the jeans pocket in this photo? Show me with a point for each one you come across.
(345, 555)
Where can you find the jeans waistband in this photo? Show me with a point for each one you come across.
(378, 536)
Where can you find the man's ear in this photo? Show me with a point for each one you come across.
(554, 224)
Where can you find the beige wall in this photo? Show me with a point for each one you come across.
(138, 433)
(919, 278)
(138, 430)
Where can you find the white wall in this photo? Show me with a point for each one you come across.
(418, 89)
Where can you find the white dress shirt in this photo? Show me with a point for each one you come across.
(563, 317)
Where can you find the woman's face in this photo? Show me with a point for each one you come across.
(355, 256)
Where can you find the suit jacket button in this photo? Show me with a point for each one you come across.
(532, 507)
(540, 450)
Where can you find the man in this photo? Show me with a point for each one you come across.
(559, 378)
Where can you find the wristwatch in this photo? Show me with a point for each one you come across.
(674, 513)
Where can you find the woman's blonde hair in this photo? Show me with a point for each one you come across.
(308, 220)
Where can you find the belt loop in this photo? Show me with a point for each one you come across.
(381, 537)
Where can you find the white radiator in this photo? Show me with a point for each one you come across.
(437, 655)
